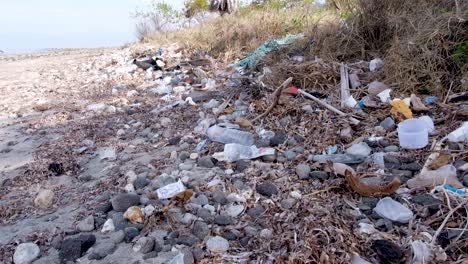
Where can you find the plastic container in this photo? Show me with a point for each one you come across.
(393, 210)
(413, 134)
(460, 134)
(226, 136)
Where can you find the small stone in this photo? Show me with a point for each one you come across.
(117, 237)
(194, 156)
(278, 139)
(73, 248)
(250, 231)
(102, 250)
(187, 240)
(134, 215)
(148, 210)
(361, 149)
(269, 158)
(44, 199)
(465, 180)
(123, 201)
(256, 211)
(119, 221)
(288, 203)
(290, 155)
(223, 220)
(425, 200)
(267, 189)
(217, 244)
(388, 123)
(174, 140)
(205, 214)
(86, 225)
(296, 195)
(130, 234)
(185, 166)
(201, 200)
(234, 210)
(184, 155)
(108, 226)
(346, 133)
(200, 230)
(266, 234)
(129, 188)
(392, 148)
(220, 197)
(26, 253)
(302, 171)
(198, 254)
(411, 167)
(319, 175)
(370, 202)
(229, 236)
(206, 162)
(140, 182)
(144, 245)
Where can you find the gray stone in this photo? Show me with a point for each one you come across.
(267, 189)
(289, 154)
(130, 234)
(52, 257)
(391, 159)
(458, 163)
(425, 200)
(250, 231)
(26, 253)
(388, 123)
(201, 200)
(242, 165)
(465, 180)
(288, 203)
(279, 138)
(392, 148)
(371, 202)
(205, 214)
(198, 254)
(217, 244)
(140, 182)
(266, 234)
(256, 211)
(319, 175)
(188, 240)
(206, 162)
(220, 197)
(117, 237)
(123, 201)
(120, 223)
(411, 167)
(102, 250)
(229, 236)
(402, 173)
(86, 225)
(200, 229)
(74, 247)
(184, 155)
(234, 210)
(186, 166)
(269, 158)
(223, 220)
(303, 171)
(144, 245)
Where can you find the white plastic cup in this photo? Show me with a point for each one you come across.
(413, 134)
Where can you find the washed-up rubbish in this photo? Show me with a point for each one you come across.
(384, 96)
(339, 158)
(227, 136)
(358, 260)
(331, 149)
(417, 105)
(422, 252)
(393, 210)
(346, 98)
(429, 179)
(170, 190)
(235, 152)
(360, 149)
(460, 134)
(368, 229)
(340, 169)
(413, 134)
(428, 122)
(376, 88)
(254, 58)
(354, 81)
(388, 252)
(430, 100)
(455, 190)
(204, 125)
(370, 190)
(243, 122)
(440, 161)
(400, 110)
(375, 64)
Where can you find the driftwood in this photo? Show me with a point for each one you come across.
(276, 96)
(367, 190)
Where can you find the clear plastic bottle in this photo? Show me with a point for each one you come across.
(226, 136)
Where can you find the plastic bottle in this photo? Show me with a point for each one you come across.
(226, 136)
(235, 152)
(393, 210)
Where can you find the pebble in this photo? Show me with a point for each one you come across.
(388, 123)
(187, 240)
(102, 250)
(200, 229)
(392, 148)
(266, 234)
(361, 149)
(130, 234)
(44, 199)
(86, 225)
(267, 189)
(223, 220)
(201, 200)
(140, 182)
(123, 201)
(319, 175)
(184, 155)
(73, 248)
(129, 188)
(288, 203)
(217, 244)
(117, 237)
(108, 226)
(144, 245)
(465, 180)
(174, 140)
(206, 162)
(148, 210)
(290, 155)
(205, 214)
(303, 171)
(194, 156)
(256, 211)
(220, 197)
(296, 195)
(278, 139)
(269, 158)
(234, 210)
(26, 253)
(425, 200)
(411, 167)
(185, 166)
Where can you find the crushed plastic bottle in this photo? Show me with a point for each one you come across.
(460, 134)
(393, 210)
(340, 158)
(227, 136)
(444, 175)
(235, 152)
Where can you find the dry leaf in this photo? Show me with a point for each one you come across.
(368, 190)
(417, 104)
(134, 215)
(243, 122)
(441, 160)
(185, 195)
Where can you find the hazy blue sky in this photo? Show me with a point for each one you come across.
(27, 25)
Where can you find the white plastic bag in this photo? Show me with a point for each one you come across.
(170, 190)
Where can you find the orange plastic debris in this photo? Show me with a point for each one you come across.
(400, 110)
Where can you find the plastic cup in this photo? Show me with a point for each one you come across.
(413, 134)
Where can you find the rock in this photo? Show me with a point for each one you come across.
(107, 153)
(96, 107)
(234, 210)
(102, 250)
(184, 155)
(302, 171)
(296, 195)
(465, 180)
(73, 248)
(117, 237)
(256, 212)
(370, 202)
(130, 234)
(319, 175)
(108, 226)
(26, 253)
(229, 236)
(223, 220)
(411, 167)
(134, 215)
(129, 188)
(174, 140)
(104, 207)
(140, 182)
(220, 197)
(387, 251)
(123, 201)
(278, 139)
(388, 123)
(269, 158)
(205, 214)
(346, 133)
(51, 257)
(86, 225)
(360, 149)
(144, 245)
(217, 244)
(392, 148)
(425, 200)
(187, 240)
(242, 165)
(267, 189)
(148, 210)
(266, 234)
(185, 166)
(375, 64)
(288, 203)
(44, 199)
(200, 229)
(206, 162)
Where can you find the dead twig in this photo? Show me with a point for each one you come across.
(276, 96)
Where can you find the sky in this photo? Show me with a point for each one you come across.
(31, 25)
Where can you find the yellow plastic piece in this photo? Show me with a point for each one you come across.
(400, 110)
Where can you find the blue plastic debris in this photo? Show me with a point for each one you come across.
(159, 52)
(455, 190)
(430, 100)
